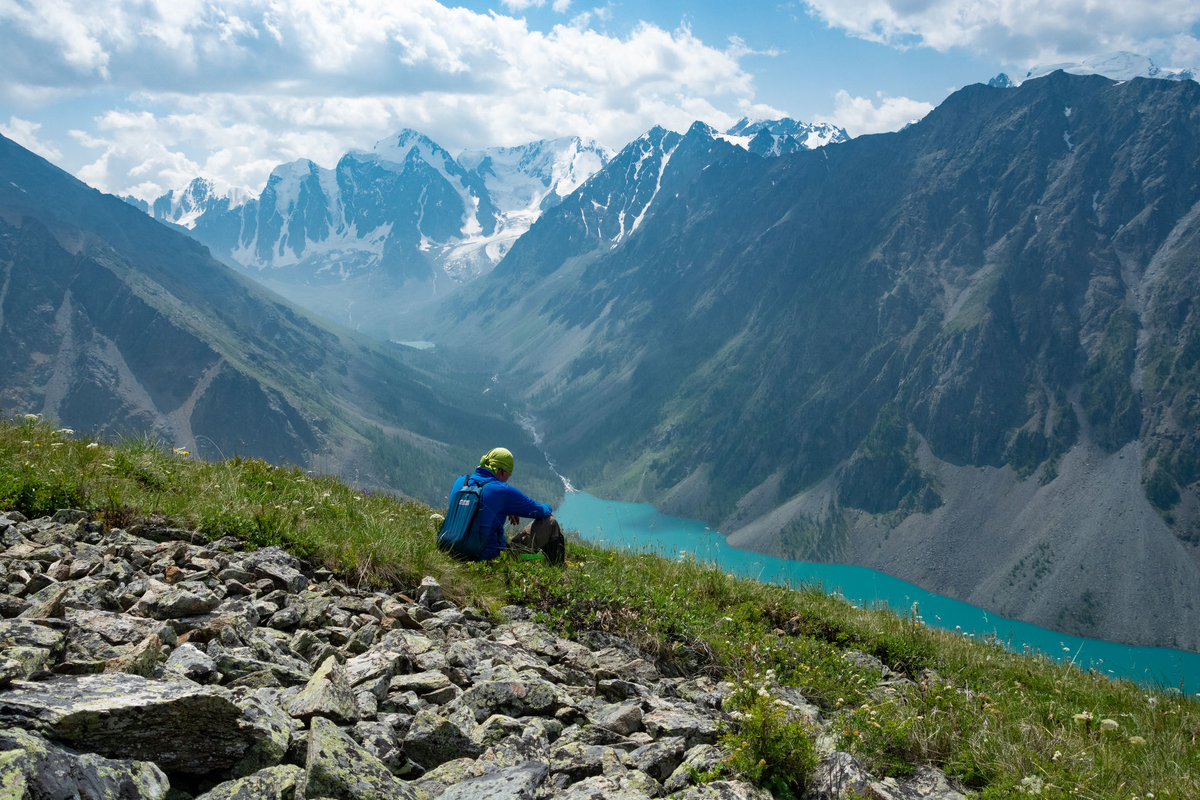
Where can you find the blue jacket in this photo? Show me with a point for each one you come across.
(497, 501)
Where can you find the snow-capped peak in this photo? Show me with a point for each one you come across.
(1119, 66)
(185, 206)
(773, 137)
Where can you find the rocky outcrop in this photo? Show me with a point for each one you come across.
(209, 672)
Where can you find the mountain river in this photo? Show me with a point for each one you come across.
(639, 526)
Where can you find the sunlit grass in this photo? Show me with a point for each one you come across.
(1002, 723)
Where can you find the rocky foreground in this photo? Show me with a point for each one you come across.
(138, 664)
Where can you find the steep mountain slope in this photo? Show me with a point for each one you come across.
(110, 319)
(962, 353)
(386, 230)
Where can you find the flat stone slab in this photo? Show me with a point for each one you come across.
(515, 783)
(177, 726)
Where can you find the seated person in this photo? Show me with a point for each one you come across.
(498, 501)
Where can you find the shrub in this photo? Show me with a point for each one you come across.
(770, 745)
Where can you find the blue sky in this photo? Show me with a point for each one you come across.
(138, 96)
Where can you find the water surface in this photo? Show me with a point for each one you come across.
(639, 526)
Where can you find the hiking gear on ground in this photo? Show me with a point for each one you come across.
(498, 459)
(498, 500)
(541, 537)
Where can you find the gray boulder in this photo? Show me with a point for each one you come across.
(658, 759)
(519, 782)
(192, 663)
(32, 767)
(340, 768)
(327, 694)
(273, 783)
(178, 726)
(514, 699)
(723, 790)
(701, 758)
(433, 740)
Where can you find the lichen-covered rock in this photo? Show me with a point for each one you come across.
(693, 727)
(339, 768)
(624, 718)
(282, 576)
(180, 727)
(192, 663)
(837, 774)
(32, 767)
(380, 740)
(926, 783)
(514, 699)
(723, 790)
(578, 760)
(519, 782)
(701, 758)
(268, 729)
(433, 740)
(600, 787)
(327, 694)
(273, 783)
(37, 634)
(658, 759)
(496, 729)
(184, 600)
(141, 659)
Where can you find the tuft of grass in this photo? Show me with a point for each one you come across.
(1000, 723)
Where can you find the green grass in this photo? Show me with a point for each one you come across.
(1000, 722)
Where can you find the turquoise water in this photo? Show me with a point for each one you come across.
(640, 526)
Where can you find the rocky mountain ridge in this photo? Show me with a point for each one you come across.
(389, 230)
(151, 664)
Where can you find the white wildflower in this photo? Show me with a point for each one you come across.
(92, 444)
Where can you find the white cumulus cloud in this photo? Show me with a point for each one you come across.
(860, 115)
(24, 133)
(233, 87)
(1018, 31)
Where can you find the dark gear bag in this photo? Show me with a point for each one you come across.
(460, 534)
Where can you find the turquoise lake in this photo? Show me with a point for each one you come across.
(640, 527)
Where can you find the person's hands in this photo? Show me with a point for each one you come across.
(513, 519)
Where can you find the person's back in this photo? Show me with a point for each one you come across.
(499, 502)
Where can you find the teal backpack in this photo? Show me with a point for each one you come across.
(460, 534)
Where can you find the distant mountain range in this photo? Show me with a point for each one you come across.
(390, 230)
(966, 353)
(1120, 66)
(111, 321)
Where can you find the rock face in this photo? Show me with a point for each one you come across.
(355, 701)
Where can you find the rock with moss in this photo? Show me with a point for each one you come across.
(701, 759)
(180, 727)
(433, 740)
(522, 698)
(32, 767)
(341, 769)
(273, 783)
(723, 790)
(519, 782)
(327, 694)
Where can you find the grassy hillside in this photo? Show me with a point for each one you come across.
(1000, 723)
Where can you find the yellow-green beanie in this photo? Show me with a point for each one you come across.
(497, 459)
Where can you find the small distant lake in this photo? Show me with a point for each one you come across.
(639, 526)
(416, 343)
